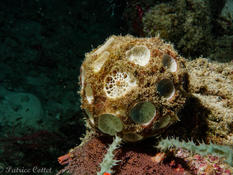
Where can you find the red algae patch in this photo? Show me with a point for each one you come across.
(134, 159)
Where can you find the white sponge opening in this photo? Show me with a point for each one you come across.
(99, 62)
(117, 84)
(169, 63)
(89, 93)
(82, 76)
(166, 88)
(139, 55)
(105, 46)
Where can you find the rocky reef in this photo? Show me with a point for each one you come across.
(211, 84)
(133, 159)
(196, 27)
(137, 88)
(185, 23)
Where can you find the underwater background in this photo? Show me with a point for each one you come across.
(43, 44)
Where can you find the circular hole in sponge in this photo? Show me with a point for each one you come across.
(143, 112)
(169, 63)
(109, 124)
(162, 123)
(132, 137)
(139, 55)
(89, 93)
(166, 88)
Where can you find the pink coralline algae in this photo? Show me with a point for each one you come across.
(203, 165)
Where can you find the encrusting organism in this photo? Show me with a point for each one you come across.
(136, 88)
(202, 158)
(131, 87)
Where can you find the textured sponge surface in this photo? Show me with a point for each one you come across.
(132, 87)
(118, 84)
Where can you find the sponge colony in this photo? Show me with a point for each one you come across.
(23, 108)
(128, 85)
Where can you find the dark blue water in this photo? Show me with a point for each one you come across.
(43, 43)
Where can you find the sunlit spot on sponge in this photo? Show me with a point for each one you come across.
(117, 84)
(139, 55)
(109, 124)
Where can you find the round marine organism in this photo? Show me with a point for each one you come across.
(133, 87)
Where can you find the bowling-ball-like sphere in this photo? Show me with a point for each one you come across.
(133, 87)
